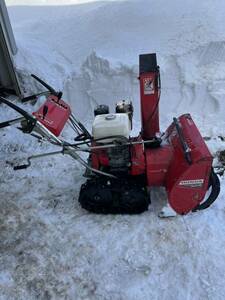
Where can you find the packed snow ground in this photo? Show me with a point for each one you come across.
(51, 248)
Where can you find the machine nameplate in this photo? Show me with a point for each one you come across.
(196, 183)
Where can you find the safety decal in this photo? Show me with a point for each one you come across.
(149, 86)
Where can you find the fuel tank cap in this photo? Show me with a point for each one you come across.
(110, 117)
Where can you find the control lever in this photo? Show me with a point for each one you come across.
(184, 144)
(45, 111)
(20, 167)
(48, 87)
(34, 97)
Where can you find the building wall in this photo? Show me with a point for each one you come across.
(8, 76)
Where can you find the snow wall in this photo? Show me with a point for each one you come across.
(91, 52)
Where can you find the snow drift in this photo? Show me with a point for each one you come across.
(92, 51)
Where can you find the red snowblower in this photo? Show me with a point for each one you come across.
(121, 170)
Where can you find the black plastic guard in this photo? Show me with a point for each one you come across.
(147, 63)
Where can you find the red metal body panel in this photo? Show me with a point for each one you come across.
(99, 158)
(138, 165)
(186, 184)
(149, 93)
(95, 161)
(57, 115)
(157, 164)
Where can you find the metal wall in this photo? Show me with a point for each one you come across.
(8, 76)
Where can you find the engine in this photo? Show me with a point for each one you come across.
(111, 133)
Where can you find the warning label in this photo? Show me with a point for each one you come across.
(149, 86)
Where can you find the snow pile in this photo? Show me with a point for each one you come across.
(188, 39)
(50, 247)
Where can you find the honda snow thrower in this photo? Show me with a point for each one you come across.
(121, 170)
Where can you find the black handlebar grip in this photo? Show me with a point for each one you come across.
(4, 124)
(26, 99)
(48, 87)
(20, 167)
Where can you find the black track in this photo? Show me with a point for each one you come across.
(114, 196)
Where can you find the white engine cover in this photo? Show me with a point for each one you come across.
(111, 125)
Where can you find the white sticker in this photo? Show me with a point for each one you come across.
(45, 119)
(149, 86)
(196, 183)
